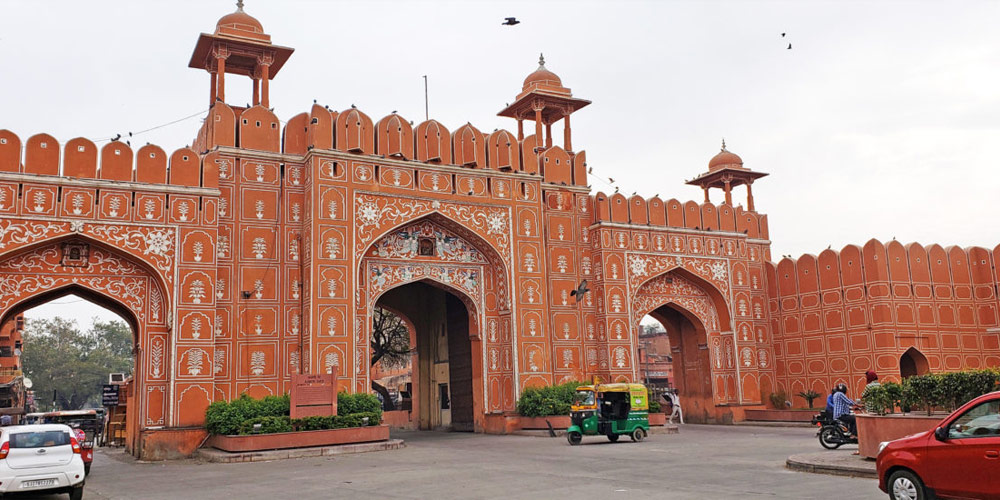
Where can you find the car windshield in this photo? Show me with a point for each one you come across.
(585, 398)
(39, 439)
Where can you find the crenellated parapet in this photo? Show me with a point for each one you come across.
(676, 214)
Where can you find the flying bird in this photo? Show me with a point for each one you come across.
(782, 35)
(590, 170)
(580, 290)
(611, 180)
(115, 138)
(510, 21)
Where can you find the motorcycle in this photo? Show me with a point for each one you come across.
(832, 432)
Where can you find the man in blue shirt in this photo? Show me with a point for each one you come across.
(842, 408)
(829, 403)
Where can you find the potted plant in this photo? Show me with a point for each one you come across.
(809, 396)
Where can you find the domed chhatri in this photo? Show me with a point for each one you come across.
(725, 158)
(542, 77)
(239, 24)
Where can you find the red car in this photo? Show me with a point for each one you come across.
(958, 458)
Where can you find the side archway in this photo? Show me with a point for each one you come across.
(913, 362)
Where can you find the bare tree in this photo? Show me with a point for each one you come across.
(390, 346)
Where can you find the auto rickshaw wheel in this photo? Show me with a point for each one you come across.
(613, 438)
(638, 434)
(574, 438)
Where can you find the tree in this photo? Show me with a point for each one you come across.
(58, 357)
(390, 346)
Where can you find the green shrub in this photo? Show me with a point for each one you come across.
(547, 401)
(809, 396)
(348, 404)
(876, 400)
(268, 425)
(223, 417)
(922, 390)
(778, 399)
(654, 406)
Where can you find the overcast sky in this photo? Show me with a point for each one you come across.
(880, 122)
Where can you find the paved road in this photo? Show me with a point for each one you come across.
(702, 462)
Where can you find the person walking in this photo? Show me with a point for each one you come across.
(675, 401)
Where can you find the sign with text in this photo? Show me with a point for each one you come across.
(314, 395)
(109, 395)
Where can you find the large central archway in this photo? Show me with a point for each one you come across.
(453, 261)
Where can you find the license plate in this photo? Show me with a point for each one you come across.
(38, 483)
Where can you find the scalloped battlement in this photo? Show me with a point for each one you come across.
(80, 158)
(674, 213)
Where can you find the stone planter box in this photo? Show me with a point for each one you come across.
(557, 421)
(303, 439)
(873, 429)
(657, 419)
(805, 415)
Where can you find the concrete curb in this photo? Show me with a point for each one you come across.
(218, 456)
(810, 463)
(762, 423)
(658, 429)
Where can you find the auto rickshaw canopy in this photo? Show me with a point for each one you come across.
(638, 395)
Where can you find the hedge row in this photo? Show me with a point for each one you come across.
(944, 391)
(272, 412)
(547, 401)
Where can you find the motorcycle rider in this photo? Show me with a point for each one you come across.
(842, 409)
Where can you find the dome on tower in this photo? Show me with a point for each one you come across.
(542, 76)
(725, 159)
(241, 25)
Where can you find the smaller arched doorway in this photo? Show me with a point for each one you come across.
(692, 370)
(442, 380)
(913, 362)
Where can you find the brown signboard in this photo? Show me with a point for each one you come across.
(314, 395)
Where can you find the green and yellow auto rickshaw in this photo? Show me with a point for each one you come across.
(611, 410)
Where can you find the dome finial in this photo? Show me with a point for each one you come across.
(723, 143)
(541, 60)
(239, 5)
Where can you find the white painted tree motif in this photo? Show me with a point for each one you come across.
(258, 288)
(527, 227)
(296, 211)
(717, 349)
(259, 247)
(621, 240)
(494, 359)
(561, 232)
(196, 291)
(293, 250)
(197, 248)
(183, 209)
(222, 246)
(745, 332)
(295, 288)
(257, 362)
(567, 358)
(258, 208)
(331, 326)
(218, 359)
(149, 206)
(590, 331)
(500, 188)
(564, 296)
(659, 243)
(293, 361)
(677, 243)
(742, 307)
(155, 301)
(614, 270)
(585, 265)
(223, 206)
(585, 234)
(259, 170)
(39, 201)
(77, 203)
(565, 329)
(220, 288)
(694, 246)
(195, 361)
(196, 327)
(531, 361)
(641, 242)
(618, 331)
(562, 263)
(331, 362)
(332, 247)
(531, 293)
(591, 357)
(218, 324)
(3, 200)
(156, 357)
(620, 357)
(532, 325)
(757, 311)
(331, 287)
(493, 330)
(762, 358)
(397, 177)
(739, 278)
(529, 262)
(258, 324)
(331, 209)
(747, 357)
(616, 303)
(296, 175)
(753, 282)
(295, 324)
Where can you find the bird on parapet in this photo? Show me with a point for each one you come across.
(115, 138)
(510, 21)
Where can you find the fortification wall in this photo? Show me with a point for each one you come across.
(839, 314)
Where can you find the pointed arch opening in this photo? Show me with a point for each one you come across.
(913, 362)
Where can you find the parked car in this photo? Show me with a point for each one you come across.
(89, 421)
(958, 458)
(41, 458)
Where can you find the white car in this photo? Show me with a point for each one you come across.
(40, 458)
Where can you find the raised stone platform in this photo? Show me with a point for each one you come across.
(219, 456)
(837, 462)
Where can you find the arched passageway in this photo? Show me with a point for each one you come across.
(442, 379)
(690, 360)
(913, 362)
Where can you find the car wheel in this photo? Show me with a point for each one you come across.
(574, 438)
(829, 439)
(613, 437)
(638, 434)
(905, 485)
(76, 493)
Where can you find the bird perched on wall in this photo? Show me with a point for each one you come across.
(314, 101)
(829, 247)
(611, 180)
(115, 138)
(353, 106)
(616, 190)
(590, 170)
(580, 290)
(633, 193)
(510, 21)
